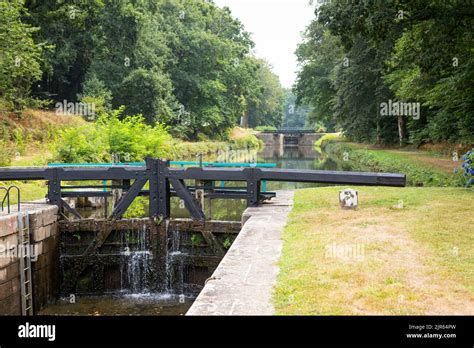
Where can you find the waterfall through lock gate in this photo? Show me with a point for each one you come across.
(136, 263)
(175, 264)
(136, 258)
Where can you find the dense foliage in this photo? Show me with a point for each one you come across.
(298, 116)
(268, 109)
(114, 136)
(129, 139)
(183, 63)
(358, 55)
(20, 57)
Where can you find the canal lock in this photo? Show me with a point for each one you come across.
(141, 256)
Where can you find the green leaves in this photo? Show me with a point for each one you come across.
(20, 56)
(131, 139)
(185, 63)
(356, 56)
(266, 108)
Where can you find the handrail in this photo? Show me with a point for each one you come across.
(7, 197)
(6, 193)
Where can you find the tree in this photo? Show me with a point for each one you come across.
(267, 110)
(297, 115)
(20, 56)
(70, 30)
(318, 56)
(358, 56)
(432, 63)
(186, 63)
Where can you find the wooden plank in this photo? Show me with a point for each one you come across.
(79, 267)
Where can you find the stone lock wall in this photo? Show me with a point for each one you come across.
(44, 239)
(277, 139)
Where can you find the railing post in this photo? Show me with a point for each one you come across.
(253, 186)
(152, 173)
(163, 190)
(54, 188)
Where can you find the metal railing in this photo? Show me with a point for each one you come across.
(198, 163)
(7, 197)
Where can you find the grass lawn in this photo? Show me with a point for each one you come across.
(403, 251)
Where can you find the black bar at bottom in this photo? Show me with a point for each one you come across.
(327, 330)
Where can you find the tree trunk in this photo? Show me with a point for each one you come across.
(244, 120)
(401, 130)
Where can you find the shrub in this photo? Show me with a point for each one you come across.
(6, 153)
(468, 168)
(21, 140)
(325, 139)
(130, 139)
(248, 141)
(80, 144)
(244, 138)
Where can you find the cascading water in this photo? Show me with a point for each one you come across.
(175, 264)
(135, 269)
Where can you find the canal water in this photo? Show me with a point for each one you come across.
(141, 302)
(129, 304)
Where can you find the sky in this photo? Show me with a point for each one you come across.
(276, 27)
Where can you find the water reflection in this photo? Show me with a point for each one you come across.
(133, 304)
(296, 157)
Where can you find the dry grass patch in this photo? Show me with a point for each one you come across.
(404, 251)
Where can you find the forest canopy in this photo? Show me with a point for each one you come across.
(391, 71)
(183, 63)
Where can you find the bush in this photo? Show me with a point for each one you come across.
(6, 153)
(130, 139)
(21, 140)
(248, 141)
(468, 168)
(325, 139)
(185, 150)
(244, 138)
